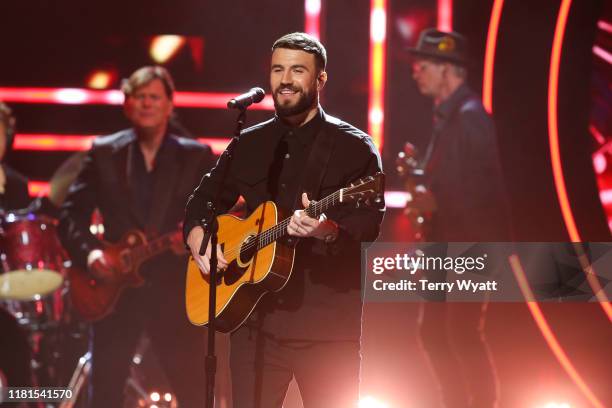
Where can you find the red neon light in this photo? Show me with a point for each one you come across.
(445, 15)
(312, 13)
(555, 155)
(597, 135)
(604, 26)
(376, 105)
(548, 334)
(70, 143)
(393, 199)
(79, 96)
(489, 63)
(603, 54)
(553, 131)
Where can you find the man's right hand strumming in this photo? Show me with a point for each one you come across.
(99, 266)
(194, 241)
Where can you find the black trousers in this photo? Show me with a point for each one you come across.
(327, 372)
(452, 335)
(179, 346)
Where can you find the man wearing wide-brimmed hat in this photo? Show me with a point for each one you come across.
(462, 169)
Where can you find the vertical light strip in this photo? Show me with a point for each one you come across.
(555, 155)
(445, 15)
(489, 62)
(376, 105)
(312, 14)
(547, 333)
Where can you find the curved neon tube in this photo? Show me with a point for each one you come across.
(489, 62)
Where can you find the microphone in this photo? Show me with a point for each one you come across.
(255, 95)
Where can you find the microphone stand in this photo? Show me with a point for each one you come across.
(211, 227)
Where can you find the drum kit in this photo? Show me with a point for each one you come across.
(43, 342)
(36, 317)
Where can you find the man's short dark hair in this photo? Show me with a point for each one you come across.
(304, 42)
(143, 76)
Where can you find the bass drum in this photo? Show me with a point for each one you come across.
(32, 284)
(32, 257)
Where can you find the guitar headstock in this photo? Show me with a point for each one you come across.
(367, 190)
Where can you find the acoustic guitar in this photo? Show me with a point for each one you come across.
(94, 298)
(260, 256)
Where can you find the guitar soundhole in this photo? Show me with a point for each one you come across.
(247, 250)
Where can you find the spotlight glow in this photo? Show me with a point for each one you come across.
(155, 396)
(371, 402)
(100, 79)
(164, 47)
(557, 405)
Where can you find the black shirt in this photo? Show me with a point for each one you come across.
(142, 181)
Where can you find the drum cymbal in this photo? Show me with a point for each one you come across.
(64, 176)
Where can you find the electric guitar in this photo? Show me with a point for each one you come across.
(259, 256)
(93, 298)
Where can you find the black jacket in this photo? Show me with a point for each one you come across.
(322, 298)
(104, 183)
(465, 175)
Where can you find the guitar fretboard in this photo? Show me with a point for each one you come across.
(152, 248)
(314, 210)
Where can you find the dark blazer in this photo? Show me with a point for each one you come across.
(16, 194)
(465, 175)
(104, 184)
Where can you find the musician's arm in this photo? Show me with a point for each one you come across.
(357, 225)
(197, 205)
(75, 215)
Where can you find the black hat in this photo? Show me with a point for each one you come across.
(440, 45)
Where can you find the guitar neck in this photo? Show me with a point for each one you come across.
(152, 248)
(314, 210)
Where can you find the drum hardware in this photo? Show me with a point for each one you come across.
(79, 379)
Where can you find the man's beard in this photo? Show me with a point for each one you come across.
(304, 103)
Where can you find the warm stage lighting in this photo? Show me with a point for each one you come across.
(77, 96)
(557, 405)
(155, 396)
(164, 47)
(445, 15)
(312, 13)
(100, 79)
(371, 402)
(378, 37)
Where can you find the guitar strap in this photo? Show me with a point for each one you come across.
(316, 165)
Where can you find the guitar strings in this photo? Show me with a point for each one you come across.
(270, 235)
